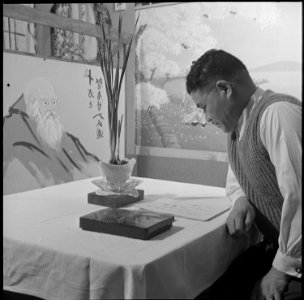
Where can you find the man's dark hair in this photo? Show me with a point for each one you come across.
(211, 66)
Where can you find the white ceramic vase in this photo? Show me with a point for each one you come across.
(117, 174)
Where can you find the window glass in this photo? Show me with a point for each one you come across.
(19, 35)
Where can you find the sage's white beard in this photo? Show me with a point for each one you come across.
(50, 129)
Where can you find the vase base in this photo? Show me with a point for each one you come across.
(114, 201)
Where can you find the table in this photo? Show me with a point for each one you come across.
(46, 254)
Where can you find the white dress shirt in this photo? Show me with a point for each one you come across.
(281, 134)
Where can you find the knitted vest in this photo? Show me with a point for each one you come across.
(255, 172)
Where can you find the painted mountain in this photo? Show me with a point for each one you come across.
(280, 66)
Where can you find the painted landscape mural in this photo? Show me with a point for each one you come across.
(266, 36)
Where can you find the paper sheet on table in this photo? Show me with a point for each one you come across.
(197, 208)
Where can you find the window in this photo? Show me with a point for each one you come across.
(19, 35)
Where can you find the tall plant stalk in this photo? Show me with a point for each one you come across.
(108, 51)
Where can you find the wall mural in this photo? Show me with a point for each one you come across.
(54, 125)
(266, 36)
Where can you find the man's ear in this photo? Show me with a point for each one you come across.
(224, 87)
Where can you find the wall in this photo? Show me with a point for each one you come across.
(183, 170)
(29, 160)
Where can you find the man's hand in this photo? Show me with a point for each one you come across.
(241, 217)
(272, 286)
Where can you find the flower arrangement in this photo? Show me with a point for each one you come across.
(110, 54)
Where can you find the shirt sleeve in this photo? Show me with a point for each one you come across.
(281, 134)
(233, 188)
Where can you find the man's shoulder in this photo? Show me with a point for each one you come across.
(284, 104)
(283, 115)
(273, 97)
(278, 103)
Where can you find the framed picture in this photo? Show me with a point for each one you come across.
(120, 6)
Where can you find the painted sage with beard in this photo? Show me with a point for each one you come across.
(38, 151)
(50, 129)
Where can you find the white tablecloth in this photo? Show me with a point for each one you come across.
(46, 254)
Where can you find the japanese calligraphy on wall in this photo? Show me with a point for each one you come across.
(95, 99)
